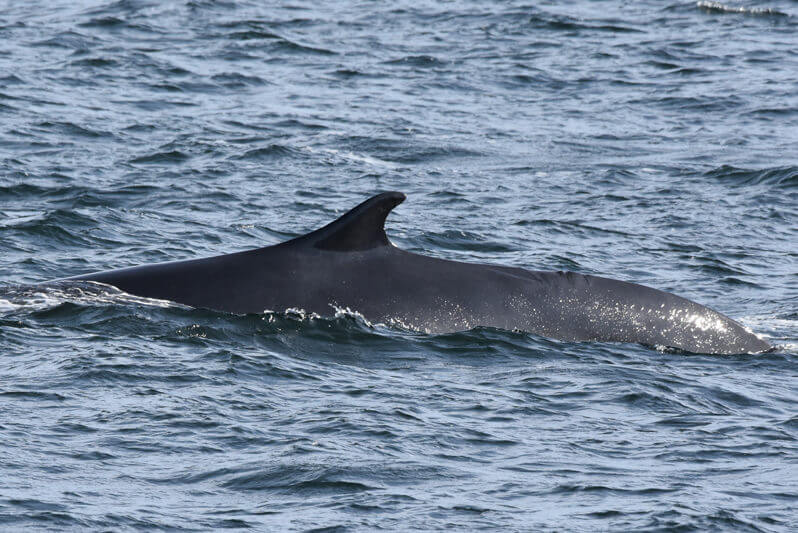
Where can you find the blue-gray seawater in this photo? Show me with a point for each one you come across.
(654, 142)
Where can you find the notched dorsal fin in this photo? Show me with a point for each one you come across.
(362, 228)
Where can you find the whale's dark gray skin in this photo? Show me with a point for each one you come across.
(351, 264)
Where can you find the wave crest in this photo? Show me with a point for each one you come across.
(717, 7)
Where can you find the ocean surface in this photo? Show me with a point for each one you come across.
(654, 142)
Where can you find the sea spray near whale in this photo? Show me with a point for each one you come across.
(350, 263)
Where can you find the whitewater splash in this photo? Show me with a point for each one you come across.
(340, 314)
(33, 298)
(717, 7)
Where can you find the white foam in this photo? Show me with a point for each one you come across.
(354, 157)
(723, 8)
(43, 297)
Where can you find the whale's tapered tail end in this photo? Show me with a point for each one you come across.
(741, 341)
(704, 330)
(614, 310)
(757, 344)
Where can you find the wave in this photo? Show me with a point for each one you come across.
(717, 7)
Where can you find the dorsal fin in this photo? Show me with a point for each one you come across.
(362, 228)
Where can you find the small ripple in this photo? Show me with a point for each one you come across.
(11, 79)
(464, 241)
(569, 227)
(71, 129)
(280, 44)
(33, 395)
(56, 226)
(780, 177)
(423, 61)
(252, 34)
(267, 153)
(169, 157)
(348, 73)
(557, 23)
(103, 22)
(315, 486)
(100, 62)
(156, 105)
(234, 80)
(69, 40)
(654, 402)
(583, 488)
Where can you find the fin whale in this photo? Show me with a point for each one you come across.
(350, 263)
